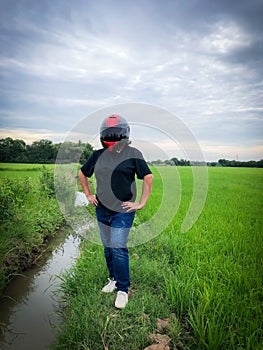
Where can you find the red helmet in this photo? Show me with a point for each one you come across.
(114, 129)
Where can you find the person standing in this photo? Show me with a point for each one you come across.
(115, 167)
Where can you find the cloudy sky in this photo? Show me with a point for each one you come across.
(199, 60)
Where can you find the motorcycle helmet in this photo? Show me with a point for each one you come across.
(113, 130)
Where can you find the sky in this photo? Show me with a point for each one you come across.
(159, 63)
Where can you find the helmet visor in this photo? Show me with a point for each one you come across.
(113, 134)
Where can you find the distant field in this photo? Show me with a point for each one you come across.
(17, 170)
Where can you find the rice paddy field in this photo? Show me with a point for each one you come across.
(20, 171)
(201, 289)
(196, 290)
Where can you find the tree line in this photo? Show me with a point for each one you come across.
(237, 163)
(171, 162)
(44, 152)
(221, 162)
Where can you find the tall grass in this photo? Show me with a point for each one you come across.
(207, 282)
(29, 215)
(218, 280)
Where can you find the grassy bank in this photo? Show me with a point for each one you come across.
(29, 216)
(206, 284)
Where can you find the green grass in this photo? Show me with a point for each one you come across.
(207, 281)
(29, 216)
(20, 171)
(23, 166)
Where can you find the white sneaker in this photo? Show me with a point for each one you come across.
(109, 287)
(121, 300)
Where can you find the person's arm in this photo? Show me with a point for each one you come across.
(86, 188)
(146, 191)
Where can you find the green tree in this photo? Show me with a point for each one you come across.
(72, 152)
(12, 151)
(88, 149)
(175, 161)
(41, 152)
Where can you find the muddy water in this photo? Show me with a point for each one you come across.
(27, 313)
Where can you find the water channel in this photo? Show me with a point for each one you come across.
(28, 310)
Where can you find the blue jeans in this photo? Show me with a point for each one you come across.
(114, 230)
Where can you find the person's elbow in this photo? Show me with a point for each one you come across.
(81, 175)
(148, 177)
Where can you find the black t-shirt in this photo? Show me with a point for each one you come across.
(115, 175)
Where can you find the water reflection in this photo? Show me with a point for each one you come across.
(27, 312)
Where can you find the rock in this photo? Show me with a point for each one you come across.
(160, 338)
(158, 347)
(162, 323)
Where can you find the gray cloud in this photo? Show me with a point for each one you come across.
(201, 60)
